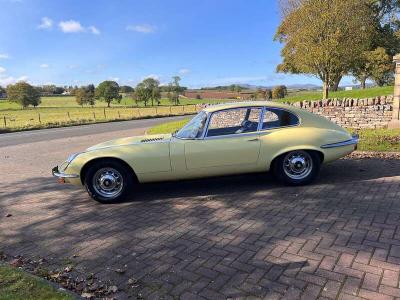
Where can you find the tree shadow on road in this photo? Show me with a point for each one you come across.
(228, 237)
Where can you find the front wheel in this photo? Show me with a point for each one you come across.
(108, 181)
(297, 167)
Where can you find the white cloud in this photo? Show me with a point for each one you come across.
(44, 66)
(4, 56)
(142, 28)
(6, 80)
(2, 70)
(73, 66)
(184, 71)
(46, 23)
(71, 26)
(94, 30)
(114, 79)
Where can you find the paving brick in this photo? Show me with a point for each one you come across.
(222, 238)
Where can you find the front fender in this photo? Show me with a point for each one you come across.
(142, 158)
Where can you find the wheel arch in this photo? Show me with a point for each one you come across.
(318, 152)
(91, 162)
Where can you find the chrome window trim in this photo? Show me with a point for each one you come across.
(197, 138)
(279, 127)
(205, 137)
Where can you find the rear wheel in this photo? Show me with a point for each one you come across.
(108, 181)
(297, 167)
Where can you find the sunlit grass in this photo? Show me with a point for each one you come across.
(16, 284)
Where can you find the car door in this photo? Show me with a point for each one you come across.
(231, 139)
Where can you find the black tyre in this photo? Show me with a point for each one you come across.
(109, 181)
(297, 167)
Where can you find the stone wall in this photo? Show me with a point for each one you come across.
(353, 113)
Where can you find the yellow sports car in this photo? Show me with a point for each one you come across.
(223, 139)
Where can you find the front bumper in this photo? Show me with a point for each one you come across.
(62, 176)
(353, 141)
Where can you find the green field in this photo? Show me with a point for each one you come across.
(317, 95)
(370, 139)
(15, 284)
(64, 111)
(69, 101)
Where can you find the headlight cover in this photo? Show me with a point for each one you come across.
(72, 157)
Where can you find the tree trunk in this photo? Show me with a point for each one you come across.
(108, 104)
(325, 89)
(362, 82)
(336, 82)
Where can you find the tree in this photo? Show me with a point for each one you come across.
(174, 89)
(148, 90)
(126, 89)
(24, 94)
(108, 91)
(279, 92)
(85, 95)
(2, 92)
(376, 64)
(324, 37)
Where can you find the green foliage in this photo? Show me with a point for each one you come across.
(15, 284)
(108, 91)
(235, 88)
(85, 95)
(174, 90)
(126, 89)
(2, 92)
(148, 90)
(375, 64)
(24, 94)
(324, 37)
(279, 92)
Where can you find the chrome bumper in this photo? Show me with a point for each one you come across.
(353, 141)
(58, 174)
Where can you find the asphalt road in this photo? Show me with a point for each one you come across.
(29, 154)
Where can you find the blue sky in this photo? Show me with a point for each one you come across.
(207, 42)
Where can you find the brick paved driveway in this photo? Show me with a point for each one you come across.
(235, 237)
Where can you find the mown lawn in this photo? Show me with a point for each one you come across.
(16, 284)
(386, 140)
(69, 101)
(317, 95)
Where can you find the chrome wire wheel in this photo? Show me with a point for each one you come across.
(108, 182)
(297, 165)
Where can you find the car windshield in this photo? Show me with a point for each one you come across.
(194, 128)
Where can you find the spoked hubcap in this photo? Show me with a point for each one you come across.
(108, 182)
(297, 164)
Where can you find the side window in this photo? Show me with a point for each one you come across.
(234, 121)
(275, 118)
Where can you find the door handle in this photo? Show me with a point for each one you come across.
(253, 140)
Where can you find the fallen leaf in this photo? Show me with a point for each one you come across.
(87, 295)
(8, 215)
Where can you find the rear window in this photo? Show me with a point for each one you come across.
(275, 118)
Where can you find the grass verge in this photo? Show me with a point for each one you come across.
(379, 140)
(16, 284)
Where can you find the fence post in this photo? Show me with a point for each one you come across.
(40, 121)
(5, 121)
(104, 111)
(69, 117)
(138, 111)
(170, 110)
(119, 115)
(94, 116)
(156, 111)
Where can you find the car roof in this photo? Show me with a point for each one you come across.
(228, 105)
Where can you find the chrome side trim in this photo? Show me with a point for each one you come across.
(57, 173)
(352, 141)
